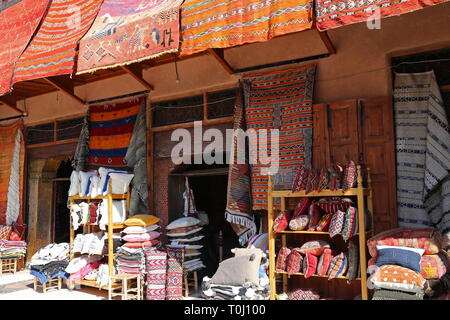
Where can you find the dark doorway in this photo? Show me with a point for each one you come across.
(61, 214)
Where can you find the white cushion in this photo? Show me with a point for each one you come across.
(183, 222)
(94, 189)
(120, 182)
(103, 173)
(84, 182)
(118, 214)
(74, 188)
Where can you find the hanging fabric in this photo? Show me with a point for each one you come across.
(12, 161)
(189, 202)
(423, 153)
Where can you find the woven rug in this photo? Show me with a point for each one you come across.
(423, 153)
(228, 23)
(12, 161)
(156, 263)
(280, 100)
(53, 49)
(17, 25)
(110, 131)
(239, 207)
(174, 280)
(128, 31)
(337, 13)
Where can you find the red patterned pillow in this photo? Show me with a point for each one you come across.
(299, 223)
(351, 224)
(280, 264)
(309, 265)
(313, 181)
(338, 266)
(315, 247)
(335, 177)
(324, 262)
(300, 180)
(281, 221)
(324, 223)
(323, 179)
(314, 216)
(434, 266)
(349, 176)
(333, 204)
(304, 294)
(5, 231)
(14, 236)
(337, 223)
(19, 229)
(294, 261)
(302, 207)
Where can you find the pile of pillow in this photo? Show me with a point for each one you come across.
(333, 178)
(90, 243)
(403, 260)
(317, 258)
(95, 183)
(186, 233)
(141, 232)
(333, 214)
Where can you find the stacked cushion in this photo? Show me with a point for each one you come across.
(402, 256)
(394, 277)
(139, 236)
(338, 266)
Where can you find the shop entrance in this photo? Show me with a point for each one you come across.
(61, 214)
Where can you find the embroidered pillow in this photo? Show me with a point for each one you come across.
(338, 266)
(336, 223)
(315, 247)
(314, 216)
(309, 265)
(394, 277)
(303, 294)
(300, 180)
(313, 181)
(421, 238)
(434, 266)
(324, 262)
(333, 204)
(141, 220)
(323, 179)
(299, 223)
(324, 223)
(302, 207)
(350, 227)
(19, 229)
(401, 256)
(183, 222)
(280, 264)
(349, 176)
(353, 261)
(294, 262)
(281, 221)
(5, 232)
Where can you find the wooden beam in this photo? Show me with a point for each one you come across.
(136, 72)
(219, 56)
(10, 102)
(64, 85)
(327, 42)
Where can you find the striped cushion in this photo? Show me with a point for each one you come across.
(302, 207)
(336, 224)
(349, 176)
(338, 266)
(351, 224)
(324, 262)
(324, 223)
(353, 260)
(260, 241)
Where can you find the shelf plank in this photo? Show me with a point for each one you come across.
(114, 196)
(323, 193)
(313, 232)
(115, 225)
(314, 275)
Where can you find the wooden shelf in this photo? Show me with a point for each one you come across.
(114, 197)
(314, 275)
(314, 232)
(323, 193)
(114, 226)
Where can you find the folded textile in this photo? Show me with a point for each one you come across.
(49, 269)
(44, 279)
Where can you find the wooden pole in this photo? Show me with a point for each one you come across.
(362, 234)
(272, 279)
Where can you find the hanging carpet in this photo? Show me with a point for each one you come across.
(222, 24)
(279, 100)
(17, 25)
(53, 49)
(12, 161)
(423, 153)
(156, 262)
(127, 31)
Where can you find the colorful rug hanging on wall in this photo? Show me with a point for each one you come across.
(17, 25)
(239, 206)
(12, 161)
(127, 31)
(336, 13)
(174, 280)
(110, 131)
(223, 24)
(423, 153)
(279, 100)
(156, 262)
(54, 47)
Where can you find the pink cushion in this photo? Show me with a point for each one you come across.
(349, 176)
(324, 262)
(294, 261)
(281, 221)
(153, 234)
(315, 247)
(136, 237)
(144, 244)
(282, 255)
(302, 207)
(309, 265)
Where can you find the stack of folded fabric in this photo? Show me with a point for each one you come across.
(130, 260)
(185, 233)
(80, 267)
(403, 261)
(12, 249)
(51, 252)
(242, 277)
(90, 243)
(50, 262)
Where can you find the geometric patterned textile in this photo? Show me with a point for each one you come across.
(17, 25)
(278, 100)
(336, 13)
(423, 153)
(174, 280)
(156, 262)
(127, 31)
(222, 24)
(54, 47)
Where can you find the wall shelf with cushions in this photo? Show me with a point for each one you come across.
(363, 197)
(111, 227)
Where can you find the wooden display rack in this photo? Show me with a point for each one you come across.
(111, 227)
(362, 194)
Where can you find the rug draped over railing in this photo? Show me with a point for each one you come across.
(17, 25)
(279, 100)
(423, 153)
(12, 161)
(222, 24)
(127, 31)
(54, 47)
